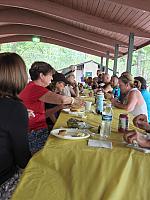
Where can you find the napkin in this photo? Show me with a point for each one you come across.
(100, 143)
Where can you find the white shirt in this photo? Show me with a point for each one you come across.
(139, 109)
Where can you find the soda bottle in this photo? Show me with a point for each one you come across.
(123, 123)
(105, 130)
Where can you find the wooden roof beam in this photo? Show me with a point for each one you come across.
(138, 4)
(16, 16)
(17, 38)
(31, 30)
(53, 9)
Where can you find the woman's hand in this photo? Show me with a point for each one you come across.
(78, 101)
(141, 122)
(113, 101)
(135, 136)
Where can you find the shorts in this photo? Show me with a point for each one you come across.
(37, 139)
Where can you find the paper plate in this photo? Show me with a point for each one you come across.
(71, 134)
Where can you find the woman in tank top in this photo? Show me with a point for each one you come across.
(133, 101)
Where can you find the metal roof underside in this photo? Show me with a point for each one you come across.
(90, 26)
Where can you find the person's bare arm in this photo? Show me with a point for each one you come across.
(133, 135)
(132, 101)
(141, 122)
(52, 117)
(74, 90)
(53, 98)
(51, 113)
(53, 110)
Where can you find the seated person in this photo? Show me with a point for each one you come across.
(106, 80)
(52, 110)
(81, 88)
(143, 140)
(71, 89)
(90, 81)
(105, 86)
(14, 148)
(122, 96)
(145, 93)
(99, 78)
(98, 72)
(94, 84)
(116, 90)
(34, 97)
(133, 101)
(137, 84)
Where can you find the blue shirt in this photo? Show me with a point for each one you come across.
(118, 91)
(146, 96)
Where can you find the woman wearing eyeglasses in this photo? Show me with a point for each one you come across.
(133, 101)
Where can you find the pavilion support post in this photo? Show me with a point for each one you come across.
(115, 59)
(130, 52)
(107, 61)
(102, 63)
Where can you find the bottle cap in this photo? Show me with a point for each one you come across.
(100, 93)
(109, 105)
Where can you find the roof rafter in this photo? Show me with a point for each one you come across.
(139, 4)
(31, 30)
(25, 17)
(14, 38)
(60, 11)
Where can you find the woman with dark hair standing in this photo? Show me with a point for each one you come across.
(14, 150)
(34, 96)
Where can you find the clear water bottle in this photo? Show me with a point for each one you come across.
(105, 129)
(99, 103)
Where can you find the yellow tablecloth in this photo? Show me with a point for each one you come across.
(70, 170)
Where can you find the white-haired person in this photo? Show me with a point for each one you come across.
(71, 89)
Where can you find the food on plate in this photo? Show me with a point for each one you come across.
(62, 132)
(80, 134)
(75, 123)
(75, 108)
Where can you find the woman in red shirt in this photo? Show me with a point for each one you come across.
(34, 95)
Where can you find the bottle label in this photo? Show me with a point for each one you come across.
(106, 117)
(123, 124)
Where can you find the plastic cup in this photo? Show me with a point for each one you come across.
(88, 105)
